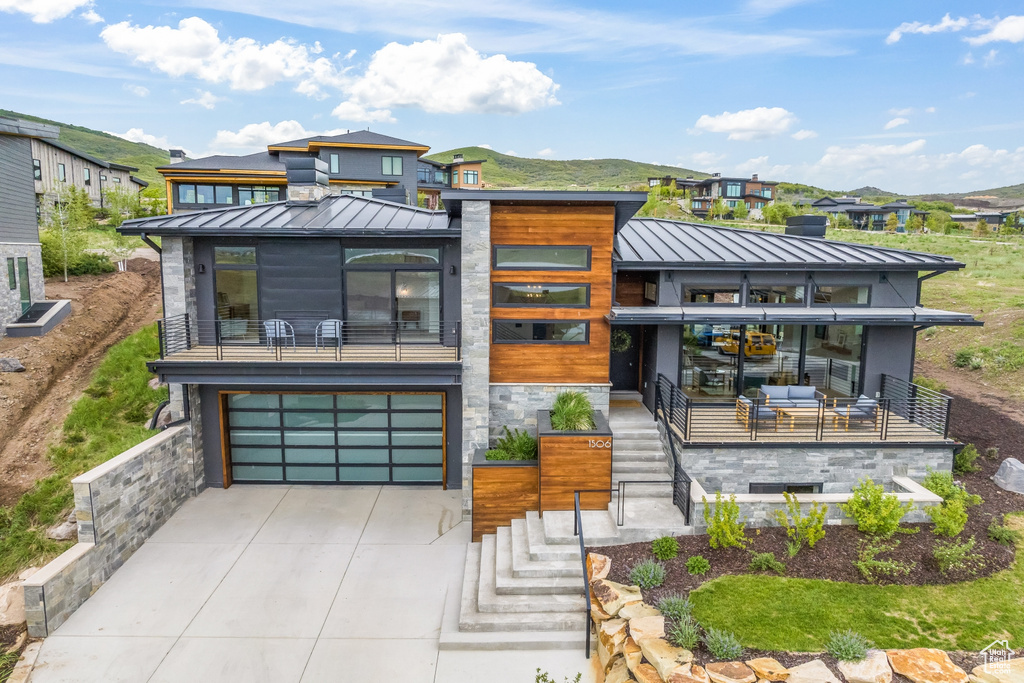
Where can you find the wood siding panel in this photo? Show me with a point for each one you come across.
(568, 464)
(592, 226)
(501, 494)
(629, 289)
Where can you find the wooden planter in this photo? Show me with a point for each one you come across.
(570, 461)
(503, 490)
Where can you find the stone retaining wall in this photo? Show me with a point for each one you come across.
(118, 505)
(516, 405)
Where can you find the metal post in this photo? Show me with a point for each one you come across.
(884, 407)
(218, 336)
(689, 419)
(949, 406)
(161, 337)
(819, 432)
(756, 405)
(188, 332)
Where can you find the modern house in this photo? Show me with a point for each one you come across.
(862, 215)
(340, 339)
(755, 193)
(994, 219)
(359, 163)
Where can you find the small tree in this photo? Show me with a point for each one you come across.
(776, 213)
(717, 209)
(892, 223)
(1013, 223)
(937, 222)
(914, 223)
(71, 213)
(741, 211)
(981, 229)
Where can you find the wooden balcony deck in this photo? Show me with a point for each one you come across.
(366, 353)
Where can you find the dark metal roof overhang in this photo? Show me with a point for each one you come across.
(763, 315)
(307, 374)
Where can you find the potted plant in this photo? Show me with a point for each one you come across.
(574, 453)
(505, 482)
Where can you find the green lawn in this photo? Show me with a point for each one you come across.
(776, 613)
(108, 420)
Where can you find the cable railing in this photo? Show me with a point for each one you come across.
(299, 338)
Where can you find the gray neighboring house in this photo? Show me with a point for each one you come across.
(19, 229)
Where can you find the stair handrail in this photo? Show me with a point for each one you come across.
(681, 480)
(578, 531)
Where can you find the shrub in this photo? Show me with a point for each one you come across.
(992, 452)
(79, 261)
(725, 530)
(766, 562)
(545, 677)
(962, 358)
(874, 569)
(514, 445)
(697, 564)
(950, 518)
(665, 548)
(876, 512)
(800, 528)
(929, 383)
(722, 644)
(684, 633)
(958, 556)
(1002, 534)
(963, 460)
(847, 646)
(572, 412)
(675, 607)
(943, 485)
(647, 574)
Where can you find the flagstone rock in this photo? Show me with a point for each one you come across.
(646, 627)
(11, 365)
(638, 609)
(610, 636)
(768, 669)
(813, 671)
(617, 672)
(696, 674)
(1010, 671)
(598, 566)
(645, 673)
(926, 665)
(1010, 475)
(730, 672)
(12, 604)
(596, 613)
(614, 596)
(663, 655)
(632, 653)
(872, 669)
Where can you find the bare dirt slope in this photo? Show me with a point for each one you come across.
(33, 404)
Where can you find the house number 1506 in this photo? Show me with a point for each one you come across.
(600, 444)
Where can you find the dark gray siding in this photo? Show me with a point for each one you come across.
(299, 278)
(888, 350)
(365, 164)
(17, 191)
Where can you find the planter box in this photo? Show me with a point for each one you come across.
(570, 461)
(503, 490)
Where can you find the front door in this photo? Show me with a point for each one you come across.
(26, 291)
(625, 358)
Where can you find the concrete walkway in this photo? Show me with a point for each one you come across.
(290, 584)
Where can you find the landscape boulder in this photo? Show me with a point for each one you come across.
(730, 672)
(611, 635)
(1010, 476)
(872, 669)
(696, 674)
(1010, 671)
(664, 656)
(638, 609)
(617, 672)
(813, 671)
(645, 673)
(632, 653)
(12, 604)
(65, 531)
(11, 365)
(646, 627)
(598, 566)
(768, 669)
(926, 665)
(614, 596)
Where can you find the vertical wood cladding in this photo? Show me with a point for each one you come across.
(590, 225)
(629, 289)
(501, 494)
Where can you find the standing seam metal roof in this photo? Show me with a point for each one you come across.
(660, 243)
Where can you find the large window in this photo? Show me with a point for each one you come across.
(540, 332)
(258, 194)
(733, 190)
(335, 164)
(222, 193)
(776, 296)
(766, 192)
(541, 258)
(470, 177)
(833, 358)
(87, 176)
(839, 295)
(711, 295)
(423, 174)
(441, 177)
(235, 282)
(519, 295)
(195, 194)
(355, 257)
(37, 170)
(391, 165)
(62, 173)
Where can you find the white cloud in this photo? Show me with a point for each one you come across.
(761, 166)
(946, 24)
(546, 152)
(254, 137)
(930, 110)
(706, 159)
(512, 153)
(195, 49)
(902, 112)
(43, 11)
(748, 124)
(137, 90)
(351, 111)
(990, 58)
(893, 123)
(485, 147)
(968, 59)
(804, 135)
(1010, 29)
(139, 135)
(91, 16)
(449, 76)
(204, 98)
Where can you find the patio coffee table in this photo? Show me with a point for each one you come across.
(794, 414)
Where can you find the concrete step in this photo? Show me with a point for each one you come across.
(635, 491)
(638, 455)
(631, 432)
(472, 620)
(646, 519)
(619, 445)
(655, 468)
(540, 549)
(514, 640)
(507, 584)
(598, 527)
(524, 566)
(488, 600)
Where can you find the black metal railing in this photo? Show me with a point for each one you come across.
(309, 338)
(903, 412)
(578, 532)
(673, 408)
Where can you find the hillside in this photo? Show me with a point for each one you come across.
(110, 148)
(505, 171)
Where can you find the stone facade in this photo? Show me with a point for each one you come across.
(836, 467)
(10, 299)
(179, 283)
(118, 505)
(476, 338)
(516, 405)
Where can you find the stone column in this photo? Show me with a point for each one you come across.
(476, 338)
(179, 285)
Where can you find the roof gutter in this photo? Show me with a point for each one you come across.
(153, 245)
(921, 279)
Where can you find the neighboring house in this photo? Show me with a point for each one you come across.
(344, 339)
(360, 163)
(20, 254)
(432, 177)
(755, 193)
(994, 219)
(54, 164)
(864, 216)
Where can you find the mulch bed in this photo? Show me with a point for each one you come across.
(832, 557)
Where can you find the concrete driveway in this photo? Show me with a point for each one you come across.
(289, 584)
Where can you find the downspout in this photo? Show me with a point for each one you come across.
(922, 279)
(160, 252)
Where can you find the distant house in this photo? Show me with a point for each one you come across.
(460, 174)
(862, 215)
(994, 219)
(755, 193)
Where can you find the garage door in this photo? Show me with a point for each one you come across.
(335, 438)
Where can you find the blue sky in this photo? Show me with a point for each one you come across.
(908, 96)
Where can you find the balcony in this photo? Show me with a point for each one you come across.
(904, 413)
(301, 340)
